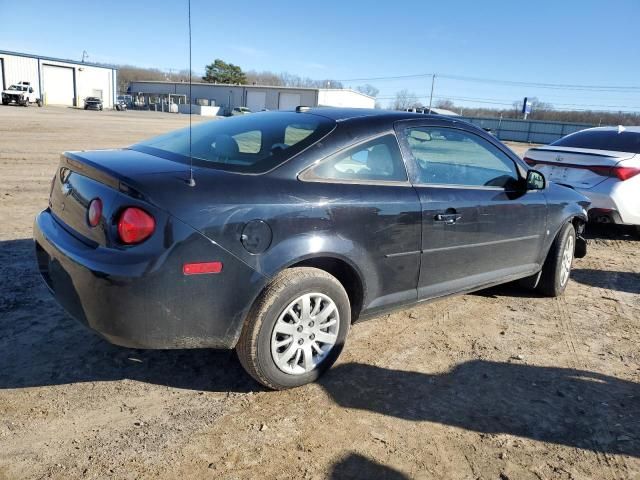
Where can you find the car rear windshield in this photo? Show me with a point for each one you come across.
(254, 143)
(624, 141)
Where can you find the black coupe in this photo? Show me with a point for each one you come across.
(273, 232)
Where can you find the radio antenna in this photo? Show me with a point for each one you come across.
(191, 182)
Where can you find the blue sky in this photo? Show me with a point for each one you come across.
(583, 42)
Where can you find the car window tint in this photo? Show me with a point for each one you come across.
(447, 156)
(253, 143)
(623, 141)
(249, 142)
(375, 160)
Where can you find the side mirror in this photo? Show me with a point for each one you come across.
(30, 89)
(535, 180)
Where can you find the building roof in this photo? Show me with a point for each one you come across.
(310, 89)
(53, 59)
(444, 111)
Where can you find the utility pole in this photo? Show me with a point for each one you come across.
(85, 55)
(433, 81)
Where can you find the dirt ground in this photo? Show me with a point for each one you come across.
(500, 384)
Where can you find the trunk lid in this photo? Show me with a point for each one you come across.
(577, 167)
(111, 176)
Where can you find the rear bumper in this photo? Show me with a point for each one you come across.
(619, 198)
(141, 302)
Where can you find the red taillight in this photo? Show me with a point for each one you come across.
(95, 212)
(604, 171)
(530, 161)
(135, 225)
(625, 173)
(202, 267)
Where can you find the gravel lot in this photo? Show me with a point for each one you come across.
(494, 385)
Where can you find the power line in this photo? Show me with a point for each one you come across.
(557, 86)
(510, 104)
(418, 75)
(542, 85)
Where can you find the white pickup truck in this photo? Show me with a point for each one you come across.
(21, 93)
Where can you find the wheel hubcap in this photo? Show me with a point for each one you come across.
(305, 333)
(567, 260)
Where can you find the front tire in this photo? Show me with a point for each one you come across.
(557, 266)
(296, 329)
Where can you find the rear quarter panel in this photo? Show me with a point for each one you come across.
(564, 204)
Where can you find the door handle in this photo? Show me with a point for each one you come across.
(447, 218)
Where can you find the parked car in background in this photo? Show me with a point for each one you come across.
(121, 104)
(295, 225)
(21, 93)
(93, 103)
(602, 163)
(240, 111)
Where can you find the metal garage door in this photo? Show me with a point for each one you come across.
(256, 101)
(289, 101)
(58, 85)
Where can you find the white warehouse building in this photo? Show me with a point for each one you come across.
(254, 97)
(57, 81)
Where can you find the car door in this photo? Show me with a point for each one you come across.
(479, 224)
(371, 203)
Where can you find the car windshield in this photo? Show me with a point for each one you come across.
(624, 141)
(18, 87)
(93, 99)
(248, 144)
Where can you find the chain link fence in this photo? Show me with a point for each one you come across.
(529, 131)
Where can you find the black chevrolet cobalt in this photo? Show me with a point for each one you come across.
(271, 233)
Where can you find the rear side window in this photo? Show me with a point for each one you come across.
(624, 141)
(254, 143)
(447, 156)
(377, 160)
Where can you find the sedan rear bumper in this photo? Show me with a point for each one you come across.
(147, 302)
(618, 197)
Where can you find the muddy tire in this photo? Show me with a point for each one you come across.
(296, 329)
(557, 266)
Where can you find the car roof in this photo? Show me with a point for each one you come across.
(634, 129)
(342, 114)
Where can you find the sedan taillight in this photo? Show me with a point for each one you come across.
(625, 173)
(135, 225)
(621, 173)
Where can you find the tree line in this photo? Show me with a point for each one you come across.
(222, 72)
(540, 111)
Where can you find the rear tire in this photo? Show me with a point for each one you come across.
(557, 266)
(276, 346)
